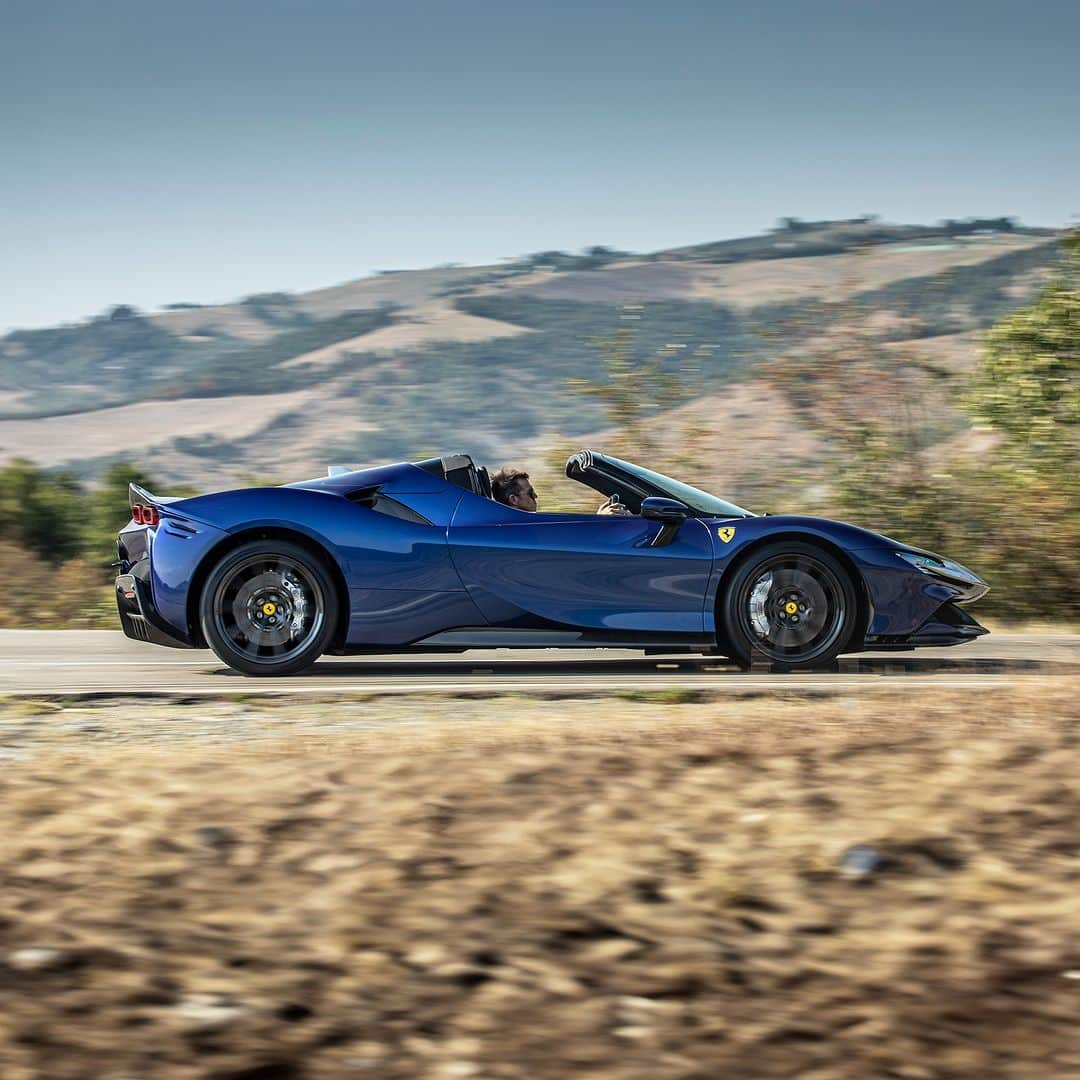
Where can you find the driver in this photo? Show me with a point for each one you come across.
(511, 487)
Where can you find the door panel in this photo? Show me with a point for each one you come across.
(588, 570)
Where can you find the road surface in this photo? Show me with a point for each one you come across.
(77, 662)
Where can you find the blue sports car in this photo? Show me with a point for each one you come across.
(420, 555)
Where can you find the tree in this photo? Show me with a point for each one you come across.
(636, 387)
(872, 404)
(1027, 387)
(40, 512)
(1026, 390)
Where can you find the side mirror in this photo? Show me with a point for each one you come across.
(669, 512)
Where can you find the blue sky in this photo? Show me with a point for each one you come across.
(155, 152)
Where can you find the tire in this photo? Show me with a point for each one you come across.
(791, 605)
(269, 607)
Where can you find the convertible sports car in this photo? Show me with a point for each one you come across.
(419, 555)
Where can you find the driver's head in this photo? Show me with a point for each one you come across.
(512, 487)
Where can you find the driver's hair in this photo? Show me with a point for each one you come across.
(505, 483)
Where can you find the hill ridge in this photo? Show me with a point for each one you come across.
(389, 366)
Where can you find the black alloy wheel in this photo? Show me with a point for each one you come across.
(791, 605)
(269, 608)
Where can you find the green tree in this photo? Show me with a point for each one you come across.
(1026, 498)
(1027, 387)
(41, 512)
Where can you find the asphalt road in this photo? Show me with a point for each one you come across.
(76, 662)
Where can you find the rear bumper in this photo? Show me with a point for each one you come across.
(138, 618)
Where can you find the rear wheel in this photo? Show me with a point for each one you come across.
(269, 608)
(790, 604)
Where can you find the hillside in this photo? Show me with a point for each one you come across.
(410, 362)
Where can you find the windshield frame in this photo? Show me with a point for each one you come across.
(609, 475)
(703, 502)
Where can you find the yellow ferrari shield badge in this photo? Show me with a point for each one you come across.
(727, 535)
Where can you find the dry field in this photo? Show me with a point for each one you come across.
(639, 888)
(764, 281)
(425, 324)
(406, 289)
(56, 440)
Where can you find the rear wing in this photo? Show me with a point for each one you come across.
(139, 495)
(145, 506)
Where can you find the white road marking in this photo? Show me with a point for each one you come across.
(23, 664)
(72, 663)
(590, 687)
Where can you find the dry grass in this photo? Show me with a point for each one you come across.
(747, 284)
(58, 439)
(425, 324)
(745, 443)
(404, 289)
(543, 889)
(833, 277)
(949, 352)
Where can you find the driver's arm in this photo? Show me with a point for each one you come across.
(614, 505)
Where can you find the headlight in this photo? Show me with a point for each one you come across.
(926, 563)
(969, 586)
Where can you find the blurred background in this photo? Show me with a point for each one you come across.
(815, 258)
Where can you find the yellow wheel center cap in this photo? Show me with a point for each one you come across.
(790, 607)
(268, 608)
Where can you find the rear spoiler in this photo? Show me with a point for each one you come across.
(145, 507)
(140, 495)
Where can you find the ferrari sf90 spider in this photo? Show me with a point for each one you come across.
(419, 556)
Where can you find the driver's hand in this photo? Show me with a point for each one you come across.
(613, 506)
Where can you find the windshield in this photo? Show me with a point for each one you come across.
(695, 498)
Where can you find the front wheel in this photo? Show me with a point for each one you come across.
(269, 608)
(791, 604)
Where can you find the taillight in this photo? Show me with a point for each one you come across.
(144, 515)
